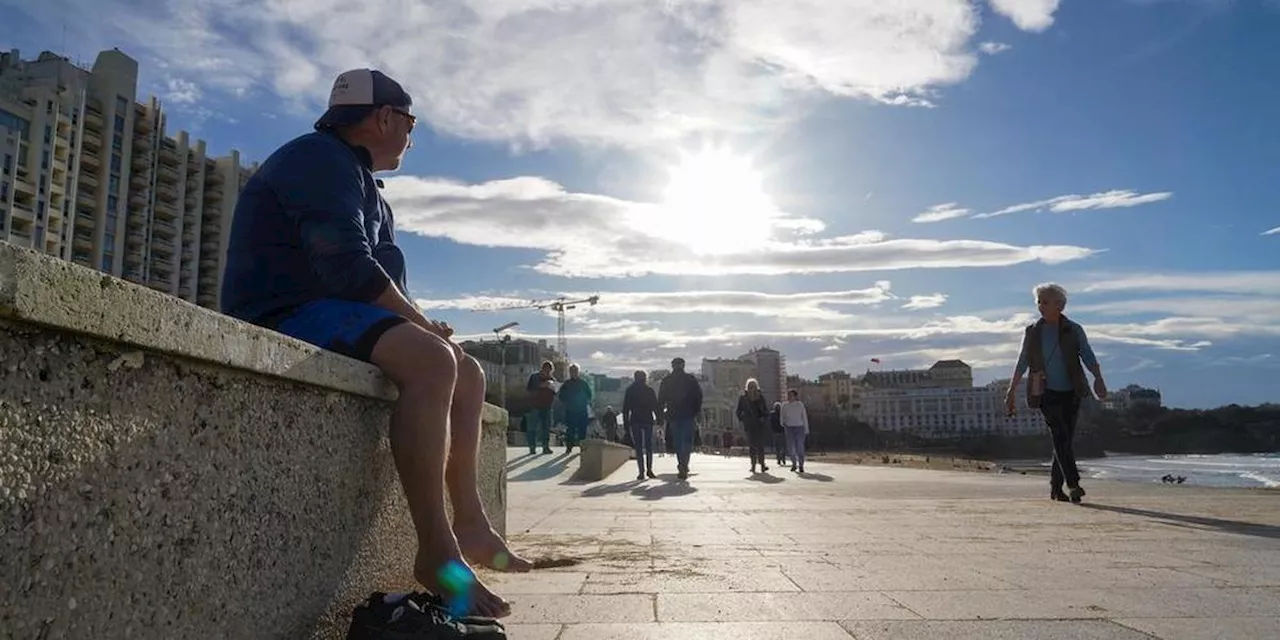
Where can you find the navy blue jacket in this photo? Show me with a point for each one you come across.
(310, 224)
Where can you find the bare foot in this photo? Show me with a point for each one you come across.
(447, 574)
(483, 546)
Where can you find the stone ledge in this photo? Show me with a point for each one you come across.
(40, 289)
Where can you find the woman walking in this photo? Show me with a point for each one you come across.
(1053, 349)
(795, 422)
(753, 411)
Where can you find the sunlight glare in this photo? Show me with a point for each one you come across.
(715, 203)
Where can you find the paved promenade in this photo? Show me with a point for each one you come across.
(883, 553)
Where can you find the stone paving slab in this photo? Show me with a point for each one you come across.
(883, 553)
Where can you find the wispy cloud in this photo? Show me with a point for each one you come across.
(940, 212)
(1029, 15)
(1064, 204)
(926, 302)
(993, 48)
(595, 236)
(1271, 232)
(1221, 282)
(814, 305)
(623, 71)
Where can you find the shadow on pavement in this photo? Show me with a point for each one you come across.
(523, 459)
(1231, 526)
(607, 489)
(671, 487)
(546, 471)
(766, 478)
(820, 477)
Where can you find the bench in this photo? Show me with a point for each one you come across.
(600, 458)
(167, 471)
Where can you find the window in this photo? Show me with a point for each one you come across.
(115, 164)
(113, 184)
(119, 123)
(8, 162)
(40, 209)
(112, 202)
(106, 262)
(4, 192)
(48, 134)
(122, 103)
(44, 159)
(116, 143)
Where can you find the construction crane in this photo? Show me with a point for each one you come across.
(558, 305)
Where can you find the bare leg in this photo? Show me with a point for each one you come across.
(479, 542)
(424, 369)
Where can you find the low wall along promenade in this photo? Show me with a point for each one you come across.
(169, 472)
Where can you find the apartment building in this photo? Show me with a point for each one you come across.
(948, 412)
(954, 374)
(771, 372)
(90, 175)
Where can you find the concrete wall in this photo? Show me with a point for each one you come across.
(168, 472)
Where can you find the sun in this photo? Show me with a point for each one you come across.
(715, 203)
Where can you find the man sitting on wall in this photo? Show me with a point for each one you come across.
(312, 254)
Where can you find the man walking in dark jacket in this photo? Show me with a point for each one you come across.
(680, 397)
(639, 409)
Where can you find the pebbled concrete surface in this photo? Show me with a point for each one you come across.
(154, 486)
(884, 554)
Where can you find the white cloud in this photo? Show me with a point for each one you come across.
(594, 236)
(812, 306)
(1028, 15)
(940, 212)
(926, 302)
(993, 48)
(181, 92)
(1222, 282)
(1105, 200)
(1271, 232)
(534, 71)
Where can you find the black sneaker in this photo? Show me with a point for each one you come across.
(404, 617)
(1075, 493)
(423, 599)
(650, 474)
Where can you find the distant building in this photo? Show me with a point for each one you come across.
(948, 412)
(811, 393)
(1132, 396)
(840, 391)
(771, 372)
(944, 374)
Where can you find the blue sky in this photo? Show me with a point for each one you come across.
(815, 176)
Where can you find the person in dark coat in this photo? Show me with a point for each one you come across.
(753, 411)
(639, 412)
(779, 435)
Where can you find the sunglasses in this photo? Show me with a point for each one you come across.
(413, 120)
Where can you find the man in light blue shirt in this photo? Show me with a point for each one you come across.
(1053, 349)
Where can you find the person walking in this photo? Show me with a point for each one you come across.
(779, 435)
(609, 422)
(753, 412)
(575, 396)
(680, 397)
(542, 396)
(1053, 349)
(639, 412)
(795, 422)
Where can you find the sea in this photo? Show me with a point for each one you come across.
(1260, 470)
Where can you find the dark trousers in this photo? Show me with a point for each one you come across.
(757, 439)
(780, 446)
(642, 439)
(1060, 410)
(539, 429)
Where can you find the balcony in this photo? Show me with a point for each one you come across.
(21, 211)
(169, 175)
(164, 228)
(90, 158)
(89, 179)
(83, 241)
